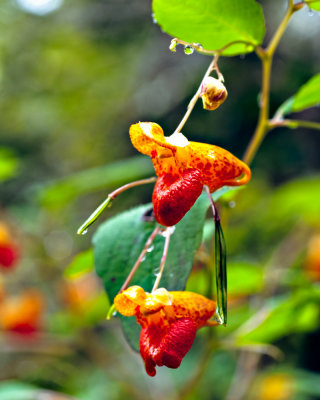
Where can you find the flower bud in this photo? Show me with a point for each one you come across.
(213, 93)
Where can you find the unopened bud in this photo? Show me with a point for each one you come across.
(213, 93)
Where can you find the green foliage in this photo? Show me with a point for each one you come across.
(81, 264)
(298, 312)
(314, 4)
(14, 390)
(119, 241)
(307, 96)
(244, 278)
(213, 23)
(62, 191)
(9, 164)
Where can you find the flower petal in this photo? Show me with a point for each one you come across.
(166, 346)
(173, 196)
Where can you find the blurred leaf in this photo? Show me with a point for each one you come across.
(298, 313)
(81, 264)
(244, 279)
(313, 4)
(9, 164)
(213, 23)
(297, 198)
(111, 175)
(14, 390)
(307, 96)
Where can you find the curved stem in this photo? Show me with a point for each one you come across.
(262, 126)
(212, 66)
(294, 123)
(201, 50)
(266, 56)
(108, 201)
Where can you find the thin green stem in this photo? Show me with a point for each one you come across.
(294, 124)
(108, 201)
(212, 66)
(266, 56)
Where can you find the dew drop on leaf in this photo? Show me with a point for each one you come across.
(150, 248)
(188, 50)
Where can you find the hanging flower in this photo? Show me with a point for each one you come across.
(8, 250)
(22, 313)
(169, 322)
(183, 168)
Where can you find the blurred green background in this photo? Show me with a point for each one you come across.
(73, 76)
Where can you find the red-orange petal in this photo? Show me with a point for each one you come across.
(174, 195)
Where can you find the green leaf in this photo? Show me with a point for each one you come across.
(111, 175)
(119, 241)
(313, 4)
(244, 278)
(283, 316)
(307, 96)
(213, 23)
(9, 164)
(81, 264)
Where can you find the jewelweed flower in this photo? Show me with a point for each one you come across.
(22, 313)
(183, 168)
(8, 250)
(169, 322)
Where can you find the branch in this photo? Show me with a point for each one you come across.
(108, 201)
(293, 124)
(266, 56)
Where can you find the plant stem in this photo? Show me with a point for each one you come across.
(212, 66)
(294, 123)
(163, 258)
(266, 56)
(107, 203)
(140, 258)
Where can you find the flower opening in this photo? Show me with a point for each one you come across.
(169, 322)
(183, 168)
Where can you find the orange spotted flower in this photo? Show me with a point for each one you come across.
(183, 168)
(169, 322)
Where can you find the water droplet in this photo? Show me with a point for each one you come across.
(232, 204)
(154, 18)
(84, 232)
(143, 258)
(150, 248)
(310, 12)
(114, 313)
(167, 231)
(156, 271)
(188, 50)
(242, 56)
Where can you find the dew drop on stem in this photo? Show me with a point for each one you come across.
(188, 50)
(84, 232)
(150, 248)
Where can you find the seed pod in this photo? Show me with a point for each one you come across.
(213, 93)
